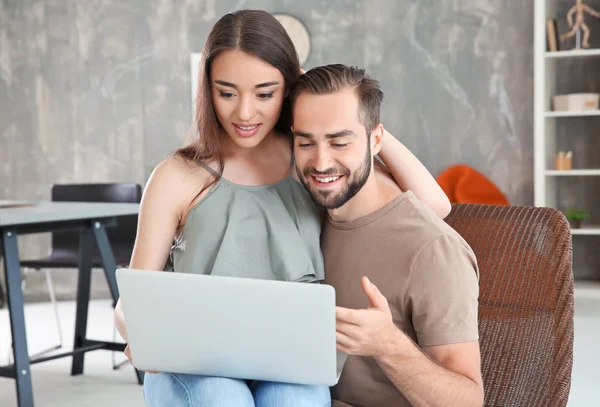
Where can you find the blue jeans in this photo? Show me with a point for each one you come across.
(182, 390)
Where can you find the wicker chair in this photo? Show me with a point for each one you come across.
(526, 301)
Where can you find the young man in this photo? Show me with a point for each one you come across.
(406, 282)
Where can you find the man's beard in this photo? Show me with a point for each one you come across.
(327, 199)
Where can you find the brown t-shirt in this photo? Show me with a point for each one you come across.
(427, 272)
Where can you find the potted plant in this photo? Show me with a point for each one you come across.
(576, 217)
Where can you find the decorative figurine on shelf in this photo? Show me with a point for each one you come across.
(579, 9)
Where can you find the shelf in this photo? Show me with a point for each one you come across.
(587, 230)
(572, 173)
(573, 114)
(575, 53)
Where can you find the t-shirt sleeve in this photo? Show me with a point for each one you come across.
(442, 293)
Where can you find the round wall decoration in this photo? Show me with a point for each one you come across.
(298, 33)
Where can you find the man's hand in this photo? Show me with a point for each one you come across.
(127, 353)
(368, 332)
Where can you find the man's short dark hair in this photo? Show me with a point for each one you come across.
(329, 79)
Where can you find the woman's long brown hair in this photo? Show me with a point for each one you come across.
(254, 32)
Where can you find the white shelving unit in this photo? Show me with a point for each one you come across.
(545, 176)
(587, 230)
(573, 114)
(572, 173)
(574, 53)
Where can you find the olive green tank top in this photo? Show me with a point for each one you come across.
(268, 232)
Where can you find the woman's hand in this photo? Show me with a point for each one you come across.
(410, 174)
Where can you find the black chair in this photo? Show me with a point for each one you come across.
(65, 245)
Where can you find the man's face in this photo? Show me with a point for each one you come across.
(331, 146)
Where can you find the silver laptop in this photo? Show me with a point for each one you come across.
(231, 327)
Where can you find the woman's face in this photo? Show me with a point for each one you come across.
(247, 94)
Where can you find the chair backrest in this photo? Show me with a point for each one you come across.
(526, 301)
(121, 236)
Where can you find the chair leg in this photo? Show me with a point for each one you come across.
(24, 278)
(55, 306)
(112, 353)
(116, 365)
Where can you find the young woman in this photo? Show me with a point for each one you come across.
(231, 199)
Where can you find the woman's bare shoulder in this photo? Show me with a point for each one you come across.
(176, 172)
(178, 180)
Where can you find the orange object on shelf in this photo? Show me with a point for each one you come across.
(463, 184)
(563, 161)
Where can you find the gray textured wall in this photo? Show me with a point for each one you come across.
(98, 90)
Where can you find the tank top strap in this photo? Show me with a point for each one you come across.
(209, 169)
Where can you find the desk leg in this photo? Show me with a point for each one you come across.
(110, 268)
(108, 260)
(12, 270)
(1, 293)
(86, 241)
